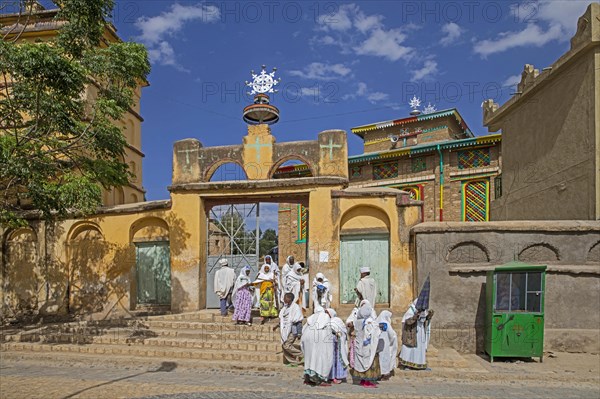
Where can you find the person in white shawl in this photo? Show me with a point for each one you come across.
(389, 353)
(290, 262)
(366, 364)
(223, 285)
(321, 291)
(290, 325)
(243, 292)
(317, 348)
(275, 269)
(415, 337)
(366, 287)
(293, 283)
(267, 284)
(339, 368)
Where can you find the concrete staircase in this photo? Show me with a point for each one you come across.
(202, 336)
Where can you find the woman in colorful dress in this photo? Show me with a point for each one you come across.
(267, 285)
(242, 293)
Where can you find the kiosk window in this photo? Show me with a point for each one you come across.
(518, 292)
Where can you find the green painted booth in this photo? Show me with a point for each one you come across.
(514, 318)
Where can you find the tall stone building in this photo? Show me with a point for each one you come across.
(42, 25)
(433, 156)
(551, 135)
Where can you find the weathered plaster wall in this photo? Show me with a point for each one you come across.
(457, 255)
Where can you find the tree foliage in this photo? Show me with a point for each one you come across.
(268, 241)
(59, 100)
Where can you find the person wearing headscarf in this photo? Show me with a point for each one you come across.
(293, 283)
(223, 285)
(339, 368)
(366, 342)
(317, 348)
(290, 325)
(267, 284)
(290, 262)
(242, 294)
(321, 291)
(389, 353)
(268, 260)
(366, 287)
(416, 325)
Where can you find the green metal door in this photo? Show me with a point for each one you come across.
(359, 251)
(153, 273)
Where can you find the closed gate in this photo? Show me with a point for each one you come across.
(359, 251)
(233, 234)
(153, 273)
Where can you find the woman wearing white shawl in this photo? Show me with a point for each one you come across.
(387, 357)
(339, 368)
(242, 293)
(317, 348)
(366, 364)
(321, 291)
(415, 337)
(293, 283)
(267, 285)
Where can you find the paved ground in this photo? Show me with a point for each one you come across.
(62, 376)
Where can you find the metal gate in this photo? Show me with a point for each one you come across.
(233, 233)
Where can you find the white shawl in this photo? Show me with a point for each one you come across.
(339, 329)
(287, 316)
(327, 296)
(368, 289)
(367, 337)
(316, 343)
(287, 268)
(224, 280)
(263, 275)
(387, 358)
(291, 282)
(242, 280)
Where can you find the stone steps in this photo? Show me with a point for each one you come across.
(148, 351)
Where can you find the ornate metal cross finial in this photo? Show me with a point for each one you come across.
(414, 103)
(263, 82)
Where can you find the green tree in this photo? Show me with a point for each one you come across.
(268, 240)
(58, 146)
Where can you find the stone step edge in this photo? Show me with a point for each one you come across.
(97, 349)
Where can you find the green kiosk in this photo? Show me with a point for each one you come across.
(514, 296)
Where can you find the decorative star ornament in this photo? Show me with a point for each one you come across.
(414, 102)
(263, 82)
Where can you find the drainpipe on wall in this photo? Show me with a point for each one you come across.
(441, 183)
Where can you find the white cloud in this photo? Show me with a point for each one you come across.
(321, 71)
(452, 32)
(429, 68)
(512, 80)
(532, 35)
(155, 30)
(377, 96)
(547, 20)
(353, 30)
(309, 92)
(362, 91)
(386, 44)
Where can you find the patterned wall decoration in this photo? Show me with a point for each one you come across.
(475, 201)
(474, 158)
(418, 164)
(414, 191)
(302, 223)
(385, 170)
(355, 172)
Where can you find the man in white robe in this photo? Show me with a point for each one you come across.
(290, 325)
(366, 287)
(317, 348)
(223, 285)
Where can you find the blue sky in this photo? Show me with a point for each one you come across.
(341, 64)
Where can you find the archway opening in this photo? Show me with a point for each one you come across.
(228, 171)
(292, 168)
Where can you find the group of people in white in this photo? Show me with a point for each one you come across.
(363, 347)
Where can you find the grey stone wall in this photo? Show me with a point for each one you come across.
(457, 256)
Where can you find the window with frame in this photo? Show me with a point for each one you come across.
(518, 292)
(385, 170)
(475, 158)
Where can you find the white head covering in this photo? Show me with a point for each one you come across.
(319, 319)
(365, 269)
(367, 337)
(223, 262)
(298, 269)
(388, 356)
(242, 279)
(340, 329)
(264, 275)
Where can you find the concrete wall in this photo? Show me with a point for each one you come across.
(457, 256)
(551, 135)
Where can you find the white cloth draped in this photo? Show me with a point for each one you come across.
(326, 297)
(242, 280)
(317, 343)
(339, 328)
(368, 289)
(224, 280)
(387, 357)
(418, 354)
(367, 337)
(291, 283)
(287, 316)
